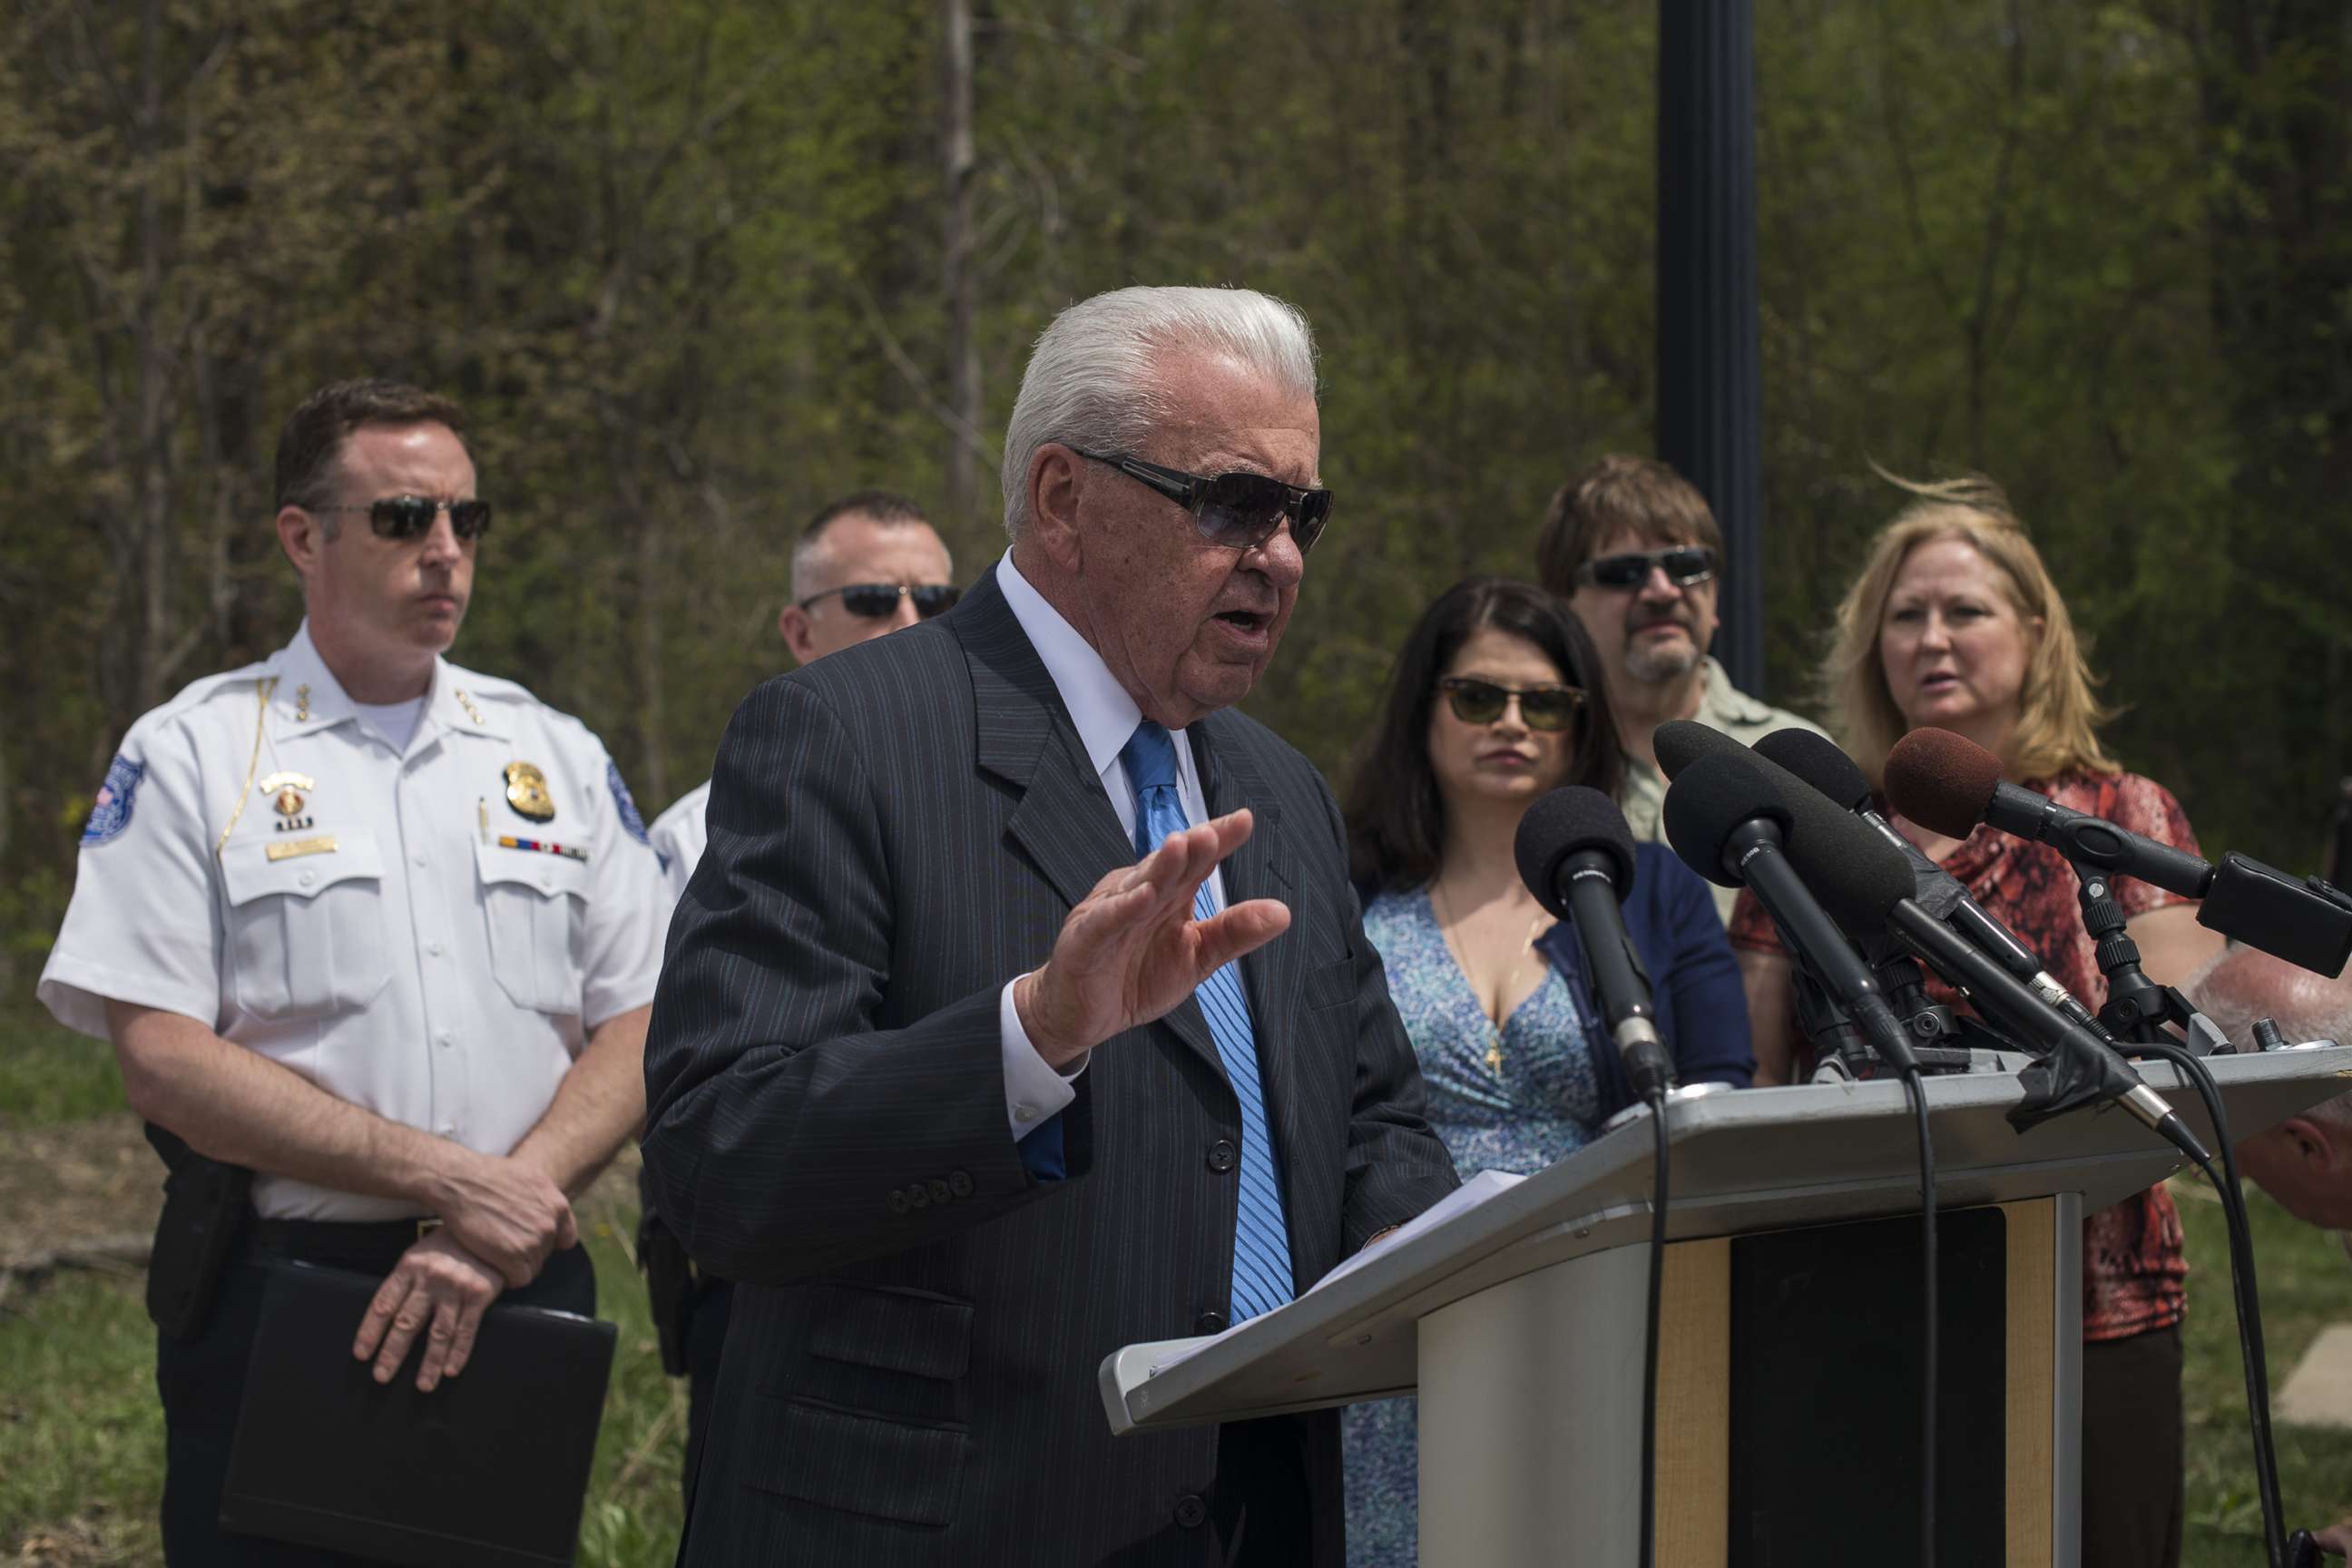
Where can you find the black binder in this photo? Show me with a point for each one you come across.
(488, 1470)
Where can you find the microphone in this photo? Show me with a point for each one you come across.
(1730, 819)
(1947, 783)
(1680, 741)
(2078, 1067)
(1576, 856)
(1819, 762)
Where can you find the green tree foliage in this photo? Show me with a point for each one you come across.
(684, 262)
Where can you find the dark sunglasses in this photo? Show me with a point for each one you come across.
(1234, 511)
(411, 517)
(1686, 566)
(874, 600)
(1476, 701)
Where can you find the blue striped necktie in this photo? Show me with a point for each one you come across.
(1261, 1241)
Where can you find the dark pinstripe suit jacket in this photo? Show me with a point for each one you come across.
(897, 831)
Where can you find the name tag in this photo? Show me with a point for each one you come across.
(322, 845)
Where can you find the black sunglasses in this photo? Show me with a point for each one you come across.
(1545, 708)
(1234, 511)
(1686, 565)
(411, 517)
(874, 600)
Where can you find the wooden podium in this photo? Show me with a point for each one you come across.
(1784, 1417)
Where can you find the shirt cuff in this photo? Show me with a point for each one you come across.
(1035, 1093)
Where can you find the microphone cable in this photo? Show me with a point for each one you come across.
(1930, 1324)
(1576, 855)
(2135, 1006)
(2244, 1288)
(1649, 1349)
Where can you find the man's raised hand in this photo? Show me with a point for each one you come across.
(1131, 951)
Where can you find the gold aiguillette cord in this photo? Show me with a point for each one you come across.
(262, 689)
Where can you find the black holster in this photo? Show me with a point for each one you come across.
(669, 1279)
(204, 1207)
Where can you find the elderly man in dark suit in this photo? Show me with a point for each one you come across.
(1020, 1009)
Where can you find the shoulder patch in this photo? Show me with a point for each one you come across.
(110, 813)
(625, 805)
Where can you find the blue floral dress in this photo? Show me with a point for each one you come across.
(1543, 1105)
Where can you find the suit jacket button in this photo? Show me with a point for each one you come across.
(1191, 1511)
(959, 1184)
(1209, 1324)
(939, 1190)
(1223, 1156)
(897, 1201)
(917, 1196)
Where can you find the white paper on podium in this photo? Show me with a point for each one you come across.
(1477, 1190)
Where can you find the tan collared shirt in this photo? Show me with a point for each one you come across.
(1721, 706)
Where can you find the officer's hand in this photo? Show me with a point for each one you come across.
(1131, 951)
(510, 1214)
(438, 1283)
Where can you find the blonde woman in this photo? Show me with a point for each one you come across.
(1955, 624)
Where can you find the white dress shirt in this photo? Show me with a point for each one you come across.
(388, 922)
(1106, 716)
(679, 835)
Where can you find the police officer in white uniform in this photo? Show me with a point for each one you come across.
(379, 930)
(866, 565)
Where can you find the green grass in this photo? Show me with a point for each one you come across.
(81, 1439)
(2306, 1284)
(48, 1074)
(82, 1443)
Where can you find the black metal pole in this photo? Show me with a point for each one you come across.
(1710, 384)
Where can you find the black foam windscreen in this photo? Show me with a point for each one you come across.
(1816, 758)
(1680, 741)
(1710, 798)
(1853, 871)
(1559, 824)
(1942, 781)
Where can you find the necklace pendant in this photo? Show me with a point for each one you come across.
(1495, 1058)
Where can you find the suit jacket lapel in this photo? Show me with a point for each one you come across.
(1064, 824)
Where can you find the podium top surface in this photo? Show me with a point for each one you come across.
(1740, 1161)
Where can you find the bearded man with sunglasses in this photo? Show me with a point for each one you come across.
(1020, 1008)
(1635, 550)
(376, 939)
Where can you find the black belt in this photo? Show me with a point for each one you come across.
(327, 1239)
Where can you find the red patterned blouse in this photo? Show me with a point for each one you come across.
(2133, 1266)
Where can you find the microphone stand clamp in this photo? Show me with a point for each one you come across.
(2137, 1007)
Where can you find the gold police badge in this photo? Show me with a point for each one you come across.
(527, 792)
(284, 790)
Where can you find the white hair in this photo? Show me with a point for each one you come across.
(1090, 383)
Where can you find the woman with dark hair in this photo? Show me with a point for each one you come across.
(1496, 698)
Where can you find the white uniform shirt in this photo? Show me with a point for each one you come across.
(388, 924)
(678, 836)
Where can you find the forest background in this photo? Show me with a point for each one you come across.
(696, 266)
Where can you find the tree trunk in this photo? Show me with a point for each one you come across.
(960, 275)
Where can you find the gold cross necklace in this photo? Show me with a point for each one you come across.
(1445, 921)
